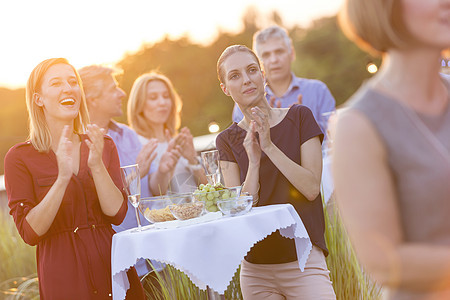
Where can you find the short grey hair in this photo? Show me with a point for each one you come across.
(261, 36)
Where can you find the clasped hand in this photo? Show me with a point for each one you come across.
(259, 124)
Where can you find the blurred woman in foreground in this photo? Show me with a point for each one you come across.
(392, 148)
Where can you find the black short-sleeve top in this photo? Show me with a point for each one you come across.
(297, 127)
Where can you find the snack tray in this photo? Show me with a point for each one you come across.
(211, 216)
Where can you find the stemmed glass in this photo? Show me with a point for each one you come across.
(211, 164)
(132, 186)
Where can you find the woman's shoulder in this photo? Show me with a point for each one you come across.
(20, 152)
(230, 130)
(21, 147)
(296, 112)
(230, 135)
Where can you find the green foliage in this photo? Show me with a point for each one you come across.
(324, 53)
(17, 260)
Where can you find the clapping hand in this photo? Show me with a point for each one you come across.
(64, 155)
(146, 156)
(95, 143)
(299, 99)
(170, 158)
(273, 102)
(186, 142)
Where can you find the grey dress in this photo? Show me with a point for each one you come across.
(420, 165)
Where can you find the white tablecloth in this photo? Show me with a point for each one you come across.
(327, 186)
(209, 253)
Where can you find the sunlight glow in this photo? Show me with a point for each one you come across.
(372, 68)
(103, 31)
(213, 127)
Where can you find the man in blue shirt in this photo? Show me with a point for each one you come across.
(104, 100)
(275, 50)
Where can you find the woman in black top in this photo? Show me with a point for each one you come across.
(276, 154)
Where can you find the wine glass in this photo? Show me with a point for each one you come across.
(211, 164)
(132, 186)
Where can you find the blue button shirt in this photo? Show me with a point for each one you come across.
(316, 96)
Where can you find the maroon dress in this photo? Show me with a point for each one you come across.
(74, 255)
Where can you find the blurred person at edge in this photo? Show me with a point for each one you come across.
(275, 153)
(275, 50)
(104, 101)
(154, 109)
(392, 148)
(65, 190)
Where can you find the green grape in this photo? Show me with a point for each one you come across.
(213, 209)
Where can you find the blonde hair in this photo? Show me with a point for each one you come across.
(375, 25)
(227, 53)
(136, 104)
(39, 135)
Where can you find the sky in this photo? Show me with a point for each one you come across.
(103, 31)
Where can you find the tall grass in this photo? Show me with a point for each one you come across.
(18, 260)
(348, 277)
(177, 285)
(173, 285)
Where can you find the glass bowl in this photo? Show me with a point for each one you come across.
(184, 206)
(188, 210)
(210, 198)
(156, 209)
(235, 206)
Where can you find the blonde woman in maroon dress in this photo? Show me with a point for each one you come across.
(64, 189)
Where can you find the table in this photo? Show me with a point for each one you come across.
(209, 253)
(326, 184)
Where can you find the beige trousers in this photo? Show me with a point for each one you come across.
(287, 281)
